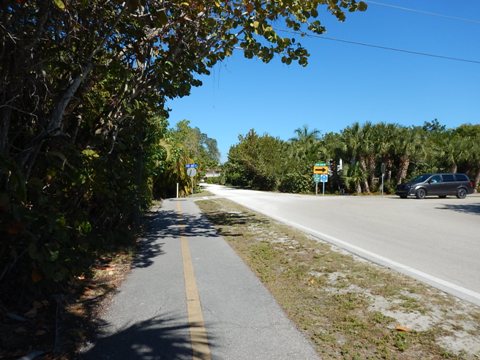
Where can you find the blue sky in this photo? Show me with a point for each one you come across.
(346, 83)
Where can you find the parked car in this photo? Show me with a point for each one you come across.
(440, 185)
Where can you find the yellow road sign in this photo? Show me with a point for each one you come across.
(320, 169)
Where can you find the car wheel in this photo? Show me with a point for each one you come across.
(442, 196)
(420, 193)
(461, 193)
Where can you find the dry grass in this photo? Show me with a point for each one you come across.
(349, 308)
(202, 193)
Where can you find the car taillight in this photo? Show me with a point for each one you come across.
(472, 184)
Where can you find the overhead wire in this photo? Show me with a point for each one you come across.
(381, 47)
(430, 13)
(389, 48)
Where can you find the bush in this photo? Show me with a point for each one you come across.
(264, 182)
(296, 183)
(219, 180)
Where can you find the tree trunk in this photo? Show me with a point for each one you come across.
(389, 164)
(403, 168)
(55, 121)
(453, 168)
(363, 166)
(371, 170)
(358, 187)
(56, 118)
(477, 179)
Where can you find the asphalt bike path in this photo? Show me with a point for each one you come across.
(189, 296)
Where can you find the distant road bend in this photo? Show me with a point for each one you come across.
(433, 240)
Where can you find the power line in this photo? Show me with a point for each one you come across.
(424, 12)
(382, 47)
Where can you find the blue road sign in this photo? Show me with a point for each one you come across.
(191, 166)
(323, 178)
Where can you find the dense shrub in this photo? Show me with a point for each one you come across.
(296, 183)
(219, 180)
(267, 182)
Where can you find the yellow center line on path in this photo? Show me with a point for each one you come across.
(198, 333)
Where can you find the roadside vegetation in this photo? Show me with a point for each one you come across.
(268, 163)
(348, 307)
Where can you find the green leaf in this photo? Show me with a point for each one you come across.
(84, 227)
(362, 6)
(91, 154)
(59, 4)
(54, 255)
(61, 221)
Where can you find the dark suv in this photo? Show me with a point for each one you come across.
(436, 184)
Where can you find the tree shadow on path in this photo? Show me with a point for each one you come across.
(164, 224)
(158, 338)
(462, 208)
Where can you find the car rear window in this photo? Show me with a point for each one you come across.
(448, 177)
(461, 177)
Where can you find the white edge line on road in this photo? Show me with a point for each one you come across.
(453, 289)
(444, 285)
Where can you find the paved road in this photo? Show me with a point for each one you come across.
(435, 240)
(187, 281)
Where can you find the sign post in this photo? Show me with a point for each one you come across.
(316, 179)
(192, 171)
(323, 179)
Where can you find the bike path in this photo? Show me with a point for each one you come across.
(189, 296)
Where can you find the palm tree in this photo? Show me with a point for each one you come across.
(409, 145)
(304, 135)
(354, 176)
(367, 154)
(306, 147)
(385, 135)
(350, 138)
(359, 149)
